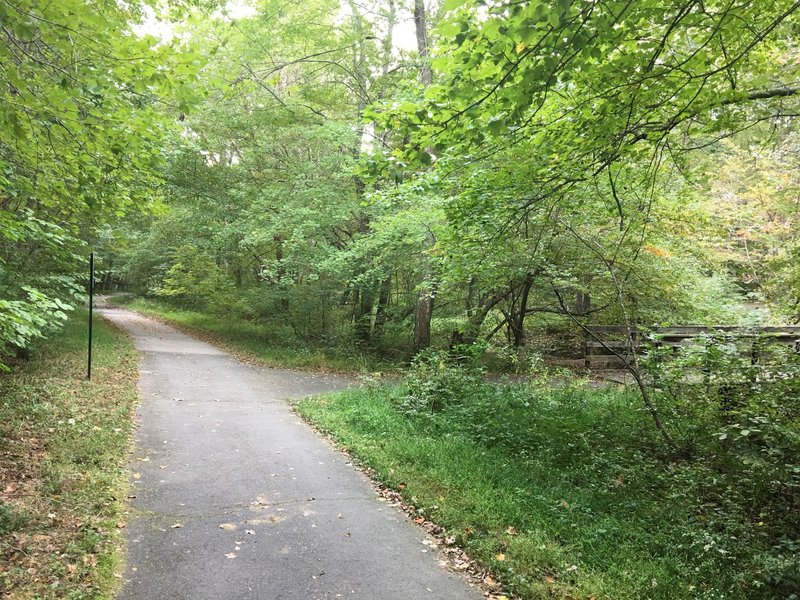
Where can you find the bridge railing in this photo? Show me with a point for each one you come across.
(607, 347)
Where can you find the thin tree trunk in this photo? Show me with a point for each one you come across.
(470, 302)
(384, 297)
(632, 365)
(473, 328)
(422, 320)
(517, 317)
(425, 296)
(582, 303)
(363, 324)
(365, 299)
(280, 270)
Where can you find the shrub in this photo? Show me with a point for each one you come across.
(442, 378)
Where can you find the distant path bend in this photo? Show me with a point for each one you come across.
(236, 499)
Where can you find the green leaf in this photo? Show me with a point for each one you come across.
(25, 29)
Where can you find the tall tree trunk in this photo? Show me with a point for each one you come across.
(582, 303)
(479, 314)
(470, 301)
(425, 296)
(365, 301)
(280, 271)
(388, 41)
(279, 266)
(421, 28)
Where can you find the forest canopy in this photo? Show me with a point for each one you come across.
(400, 174)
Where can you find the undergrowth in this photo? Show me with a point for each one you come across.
(63, 442)
(567, 491)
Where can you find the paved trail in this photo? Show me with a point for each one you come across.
(218, 445)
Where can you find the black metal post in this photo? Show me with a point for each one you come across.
(91, 303)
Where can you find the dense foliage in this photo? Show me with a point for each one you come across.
(424, 182)
(82, 131)
(529, 165)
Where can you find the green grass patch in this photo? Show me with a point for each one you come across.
(569, 493)
(271, 342)
(63, 446)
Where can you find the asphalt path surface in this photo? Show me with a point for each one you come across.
(236, 498)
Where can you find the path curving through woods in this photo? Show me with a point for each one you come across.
(236, 498)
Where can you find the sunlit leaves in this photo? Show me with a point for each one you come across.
(82, 122)
(617, 72)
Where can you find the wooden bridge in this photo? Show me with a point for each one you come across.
(607, 347)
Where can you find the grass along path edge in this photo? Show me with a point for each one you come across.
(566, 492)
(562, 493)
(450, 556)
(252, 342)
(64, 446)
